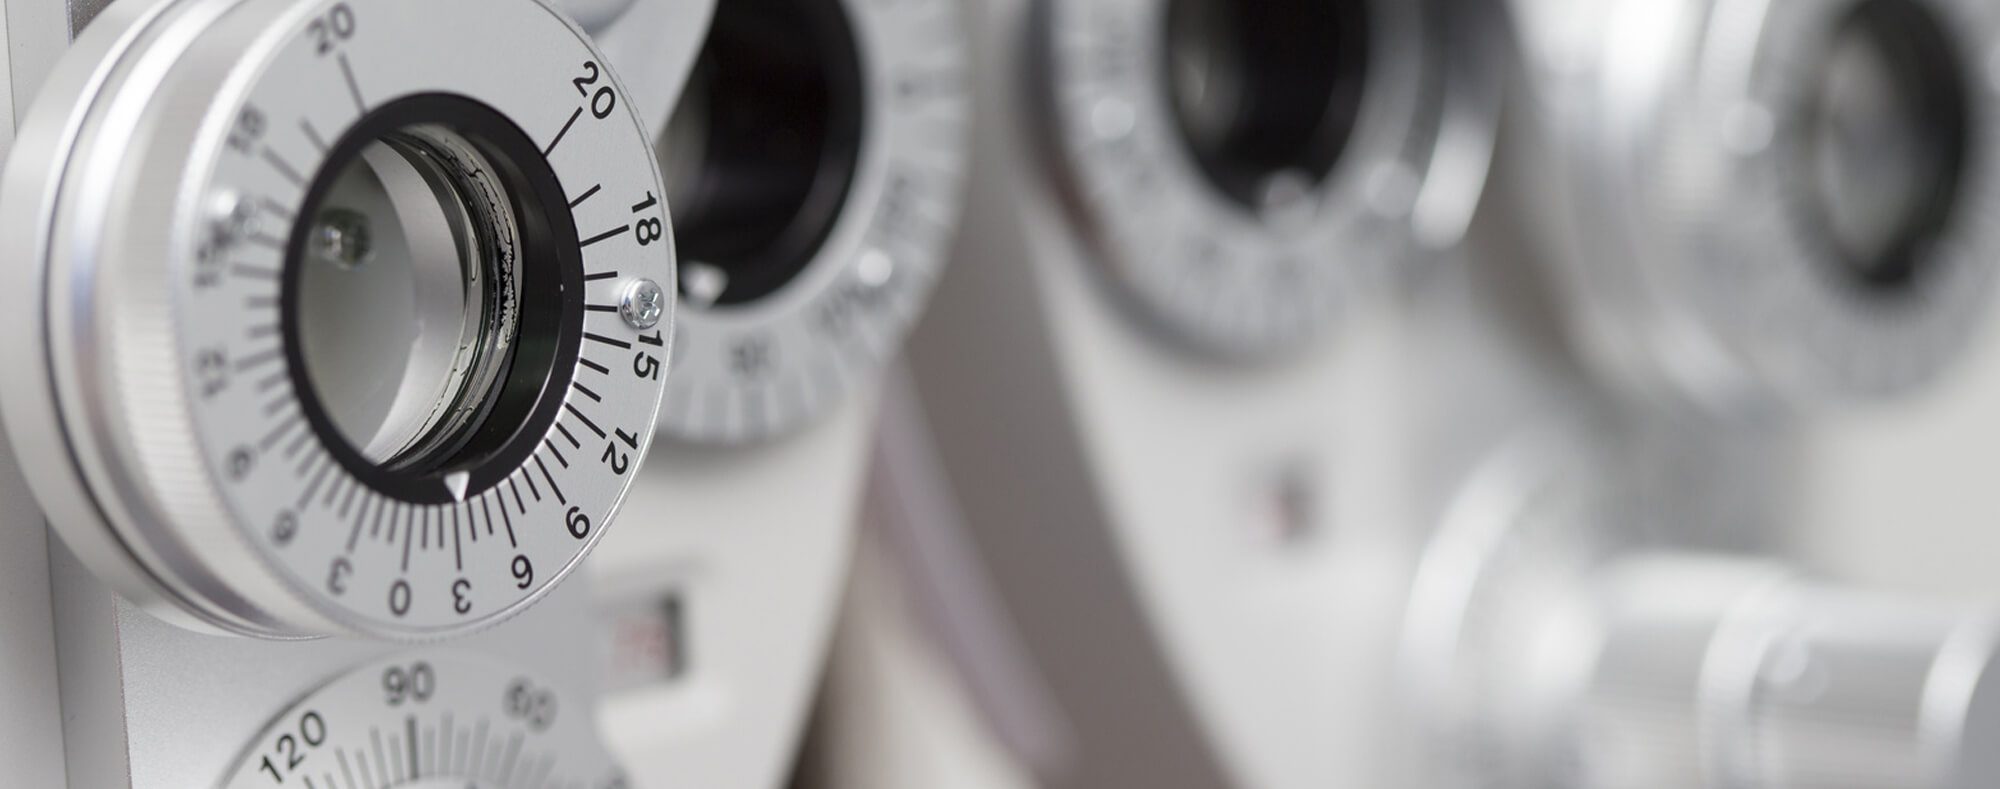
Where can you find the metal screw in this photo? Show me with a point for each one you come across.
(643, 304)
(230, 219)
(342, 237)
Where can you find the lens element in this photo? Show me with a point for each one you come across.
(762, 152)
(1266, 94)
(1886, 141)
(408, 304)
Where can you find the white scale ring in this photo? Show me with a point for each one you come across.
(1208, 270)
(767, 365)
(160, 211)
(435, 719)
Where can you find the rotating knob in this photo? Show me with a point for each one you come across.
(1749, 676)
(1555, 641)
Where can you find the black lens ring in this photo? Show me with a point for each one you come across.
(528, 396)
(786, 116)
(1924, 58)
(1303, 70)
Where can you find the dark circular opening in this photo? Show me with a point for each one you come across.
(1887, 140)
(432, 299)
(1266, 94)
(763, 148)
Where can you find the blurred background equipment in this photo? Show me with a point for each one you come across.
(1565, 631)
(1000, 394)
(814, 160)
(1757, 203)
(1157, 385)
(1669, 476)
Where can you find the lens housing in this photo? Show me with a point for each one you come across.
(523, 309)
(1266, 95)
(1887, 139)
(762, 153)
(1765, 208)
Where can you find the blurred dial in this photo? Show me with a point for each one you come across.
(815, 163)
(431, 720)
(1240, 169)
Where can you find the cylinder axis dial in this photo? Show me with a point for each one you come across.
(347, 316)
(430, 720)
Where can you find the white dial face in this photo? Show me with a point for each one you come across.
(1233, 200)
(852, 230)
(417, 266)
(430, 548)
(432, 720)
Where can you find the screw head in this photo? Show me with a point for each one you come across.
(230, 219)
(343, 238)
(643, 304)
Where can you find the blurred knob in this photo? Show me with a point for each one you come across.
(1770, 681)
(1558, 639)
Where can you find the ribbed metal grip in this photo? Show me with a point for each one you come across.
(1739, 675)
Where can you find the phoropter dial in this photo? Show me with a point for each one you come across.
(434, 719)
(1241, 168)
(817, 159)
(1781, 203)
(336, 315)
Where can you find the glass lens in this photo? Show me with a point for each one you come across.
(762, 150)
(1887, 141)
(1266, 94)
(407, 310)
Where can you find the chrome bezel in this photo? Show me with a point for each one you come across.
(473, 719)
(109, 204)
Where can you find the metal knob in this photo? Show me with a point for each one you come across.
(1735, 674)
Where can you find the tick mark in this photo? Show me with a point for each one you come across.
(586, 420)
(259, 359)
(605, 236)
(284, 168)
(564, 133)
(560, 498)
(313, 136)
(353, 85)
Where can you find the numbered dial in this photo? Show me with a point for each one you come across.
(816, 163)
(430, 720)
(352, 315)
(1240, 168)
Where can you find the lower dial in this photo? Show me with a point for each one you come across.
(430, 720)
